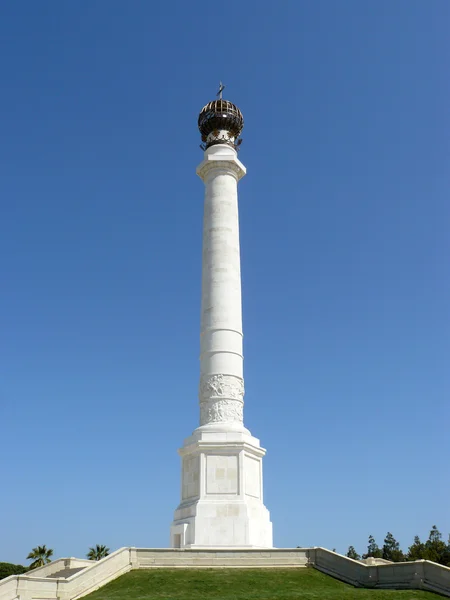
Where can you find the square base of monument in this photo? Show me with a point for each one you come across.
(211, 528)
(222, 503)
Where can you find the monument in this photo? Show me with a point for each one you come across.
(222, 488)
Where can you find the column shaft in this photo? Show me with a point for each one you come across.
(221, 389)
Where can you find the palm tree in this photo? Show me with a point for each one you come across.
(40, 556)
(98, 552)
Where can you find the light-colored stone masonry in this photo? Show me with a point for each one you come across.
(45, 584)
(222, 463)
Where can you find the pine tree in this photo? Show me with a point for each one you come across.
(391, 549)
(351, 553)
(435, 548)
(446, 557)
(417, 550)
(372, 549)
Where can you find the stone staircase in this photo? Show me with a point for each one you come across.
(65, 573)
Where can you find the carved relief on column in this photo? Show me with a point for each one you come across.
(221, 398)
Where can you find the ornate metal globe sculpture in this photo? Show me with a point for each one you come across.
(220, 122)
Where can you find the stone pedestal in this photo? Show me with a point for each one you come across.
(221, 502)
(222, 495)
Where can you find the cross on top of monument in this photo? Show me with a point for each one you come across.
(221, 88)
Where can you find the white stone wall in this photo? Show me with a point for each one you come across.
(420, 574)
(100, 573)
(253, 483)
(185, 558)
(436, 578)
(32, 588)
(190, 477)
(341, 567)
(222, 474)
(413, 575)
(8, 588)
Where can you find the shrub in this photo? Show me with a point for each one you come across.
(7, 569)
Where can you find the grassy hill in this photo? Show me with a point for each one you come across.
(241, 584)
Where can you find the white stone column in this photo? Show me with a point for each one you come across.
(221, 389)
(221, 491)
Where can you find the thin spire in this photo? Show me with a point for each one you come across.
(221, 88)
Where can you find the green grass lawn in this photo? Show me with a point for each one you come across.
(241, 584)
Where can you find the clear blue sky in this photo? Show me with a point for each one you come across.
(345, 244)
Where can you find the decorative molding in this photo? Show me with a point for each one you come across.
(227, 166)
(214, 411)
(221, 386)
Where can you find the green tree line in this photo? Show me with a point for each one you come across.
(434, 549)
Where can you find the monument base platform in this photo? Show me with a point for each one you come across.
(71, 578)
(222, 502)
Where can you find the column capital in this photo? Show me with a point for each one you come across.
(223, 158)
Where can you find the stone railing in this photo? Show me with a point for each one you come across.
(8, 588)
(336, 565)
(419, 574)
(100, 573)
(436, 578)
(46, 584)
(43, 585)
